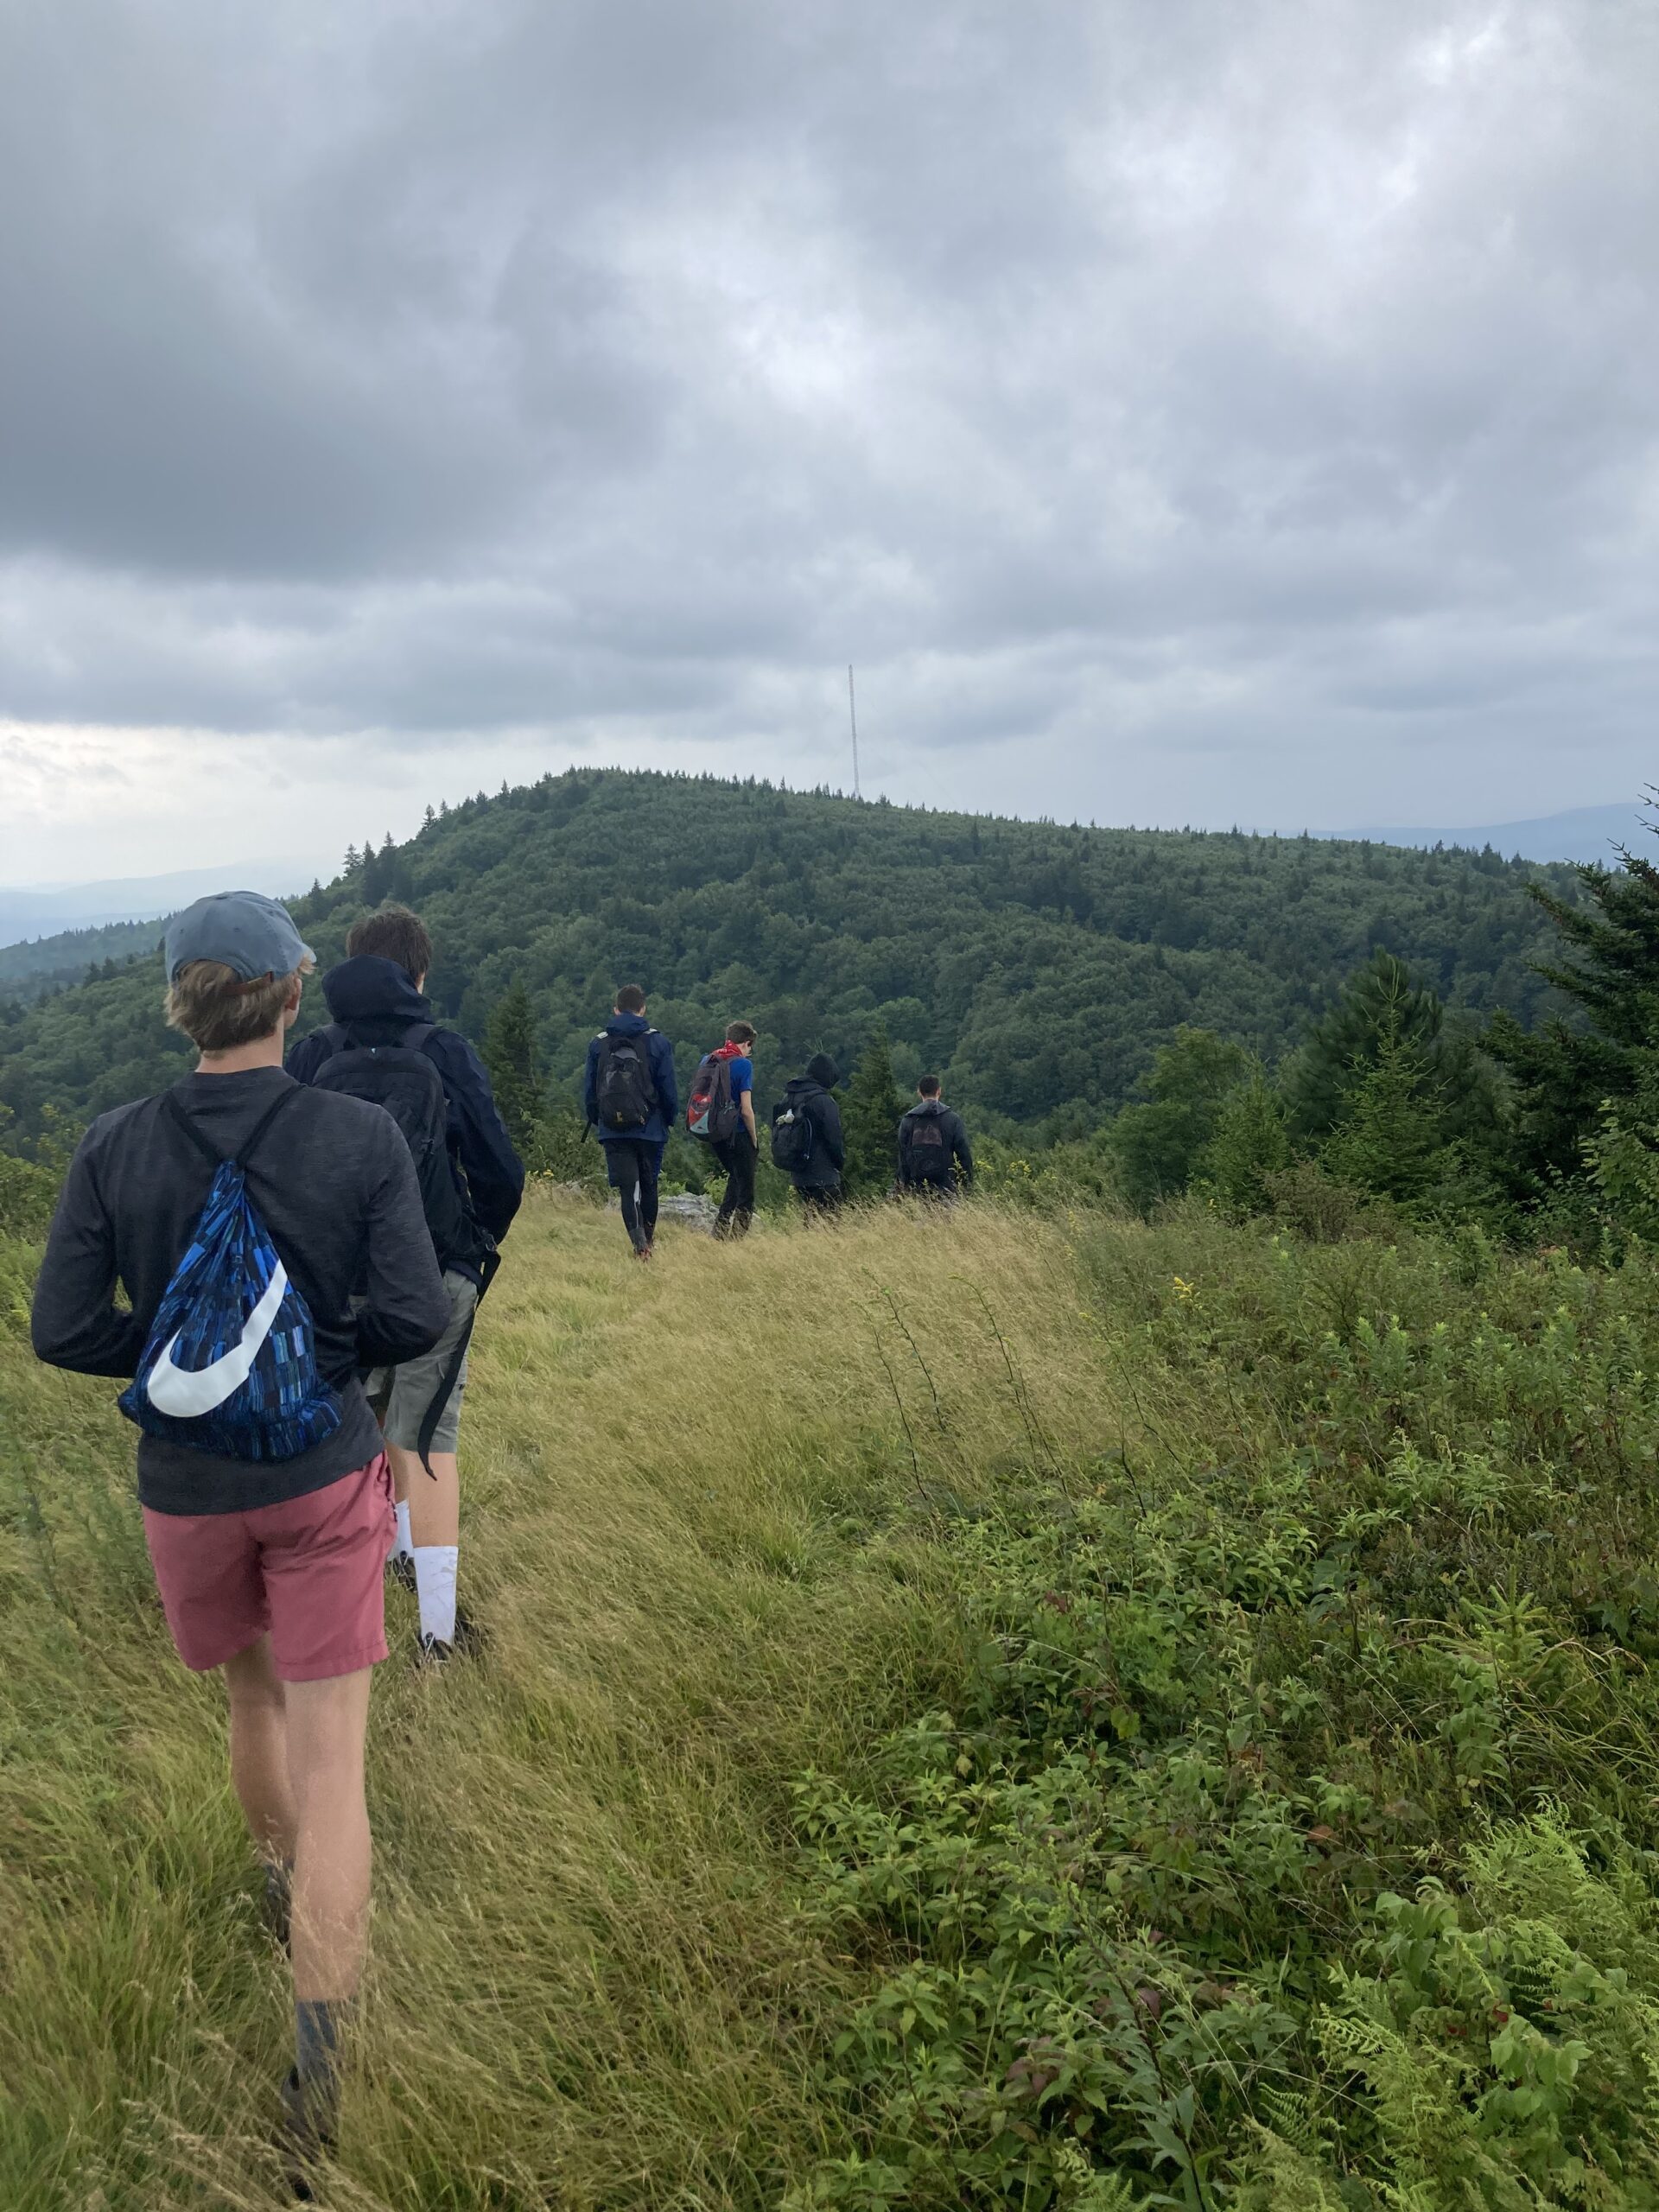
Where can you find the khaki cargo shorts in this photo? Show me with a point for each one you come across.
(400, 1395)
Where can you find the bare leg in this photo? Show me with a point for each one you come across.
(326, 1725)
(259, 1771)
(433, 1500)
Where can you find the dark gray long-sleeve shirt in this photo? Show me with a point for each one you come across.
(334, 1182)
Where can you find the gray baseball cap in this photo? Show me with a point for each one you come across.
(244, 930)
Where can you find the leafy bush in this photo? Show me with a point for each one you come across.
(27, 1193)
(1288, 1835)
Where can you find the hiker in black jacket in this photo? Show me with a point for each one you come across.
(270, 1567)
(816, 1176)
(933, 1150)
(377, 998)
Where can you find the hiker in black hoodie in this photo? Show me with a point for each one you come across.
(933, 1151)
(806, 1139)
(377, 998)
(271, 1569)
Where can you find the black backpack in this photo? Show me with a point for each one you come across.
(625, 1098)
(404, 1079)
(791, 1136)
(923, 1154)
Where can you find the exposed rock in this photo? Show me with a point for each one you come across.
(689, 1206)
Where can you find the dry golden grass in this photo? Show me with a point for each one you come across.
(696, 1502)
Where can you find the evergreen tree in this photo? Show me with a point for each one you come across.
(1340, 1049)
(869, 1123)
(511, 1056)
(1391, 1141)
(1563, 1073)
(1251, 1142)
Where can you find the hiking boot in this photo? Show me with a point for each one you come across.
(468, 1641)
(642, 1251)
(307, 2136)
(400, 1567)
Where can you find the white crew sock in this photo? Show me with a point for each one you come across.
(403, 1544)
(434, 1586)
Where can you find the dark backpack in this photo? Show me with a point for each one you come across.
(404, 1079)
(923, 1150)
(625, 1098)
(793, 1136)
(711, 1112)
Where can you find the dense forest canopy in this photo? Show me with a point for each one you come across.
(35, 965)
(1038, 967)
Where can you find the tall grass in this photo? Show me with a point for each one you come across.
(698, 1498)
(987, 1711)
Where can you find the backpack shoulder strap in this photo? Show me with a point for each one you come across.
(264, 1122)
(175, 1105)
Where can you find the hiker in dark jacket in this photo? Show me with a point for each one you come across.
(933, 1150)
(270, 1568)
(630, 1096)
(817, 1180)
(376, 997)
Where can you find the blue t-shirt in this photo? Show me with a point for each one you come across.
(742, 1077)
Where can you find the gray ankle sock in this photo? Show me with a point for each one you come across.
(319, 2023)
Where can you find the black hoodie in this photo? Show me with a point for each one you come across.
(376, 999)
(931, 1139)
(335, 1185)
(810, 1094)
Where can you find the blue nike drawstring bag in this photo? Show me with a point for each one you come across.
(230, 1364)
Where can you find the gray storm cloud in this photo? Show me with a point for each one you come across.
(1267, 392)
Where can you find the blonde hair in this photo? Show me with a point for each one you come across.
(218, 1011)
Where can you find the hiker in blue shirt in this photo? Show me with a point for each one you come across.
(740, 1153)
(630, 1096)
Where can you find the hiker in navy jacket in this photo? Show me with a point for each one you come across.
(633, 1152)
(376, 997)
(379, 998)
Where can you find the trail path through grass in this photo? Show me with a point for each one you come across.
(688, 1493)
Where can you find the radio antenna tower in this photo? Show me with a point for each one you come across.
(852, 716)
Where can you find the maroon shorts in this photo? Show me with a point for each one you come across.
(310, 1571)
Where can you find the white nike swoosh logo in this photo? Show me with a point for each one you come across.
(185, 1392)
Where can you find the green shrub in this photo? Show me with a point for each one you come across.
(28, 1191)
(1289, 1834)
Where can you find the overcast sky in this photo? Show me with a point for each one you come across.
(1192, 412)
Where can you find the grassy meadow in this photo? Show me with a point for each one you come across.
(1016, 1710)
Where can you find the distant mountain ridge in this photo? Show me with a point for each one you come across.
(52, 909)
(1582, 833)
(1036, 967)
(48, 964)
(62, 930)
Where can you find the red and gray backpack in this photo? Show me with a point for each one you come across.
(711, 1112)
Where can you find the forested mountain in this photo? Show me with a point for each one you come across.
(46, 963)
(1036, 966)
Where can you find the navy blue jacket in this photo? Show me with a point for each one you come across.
(660, 1054)
(377, 998)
